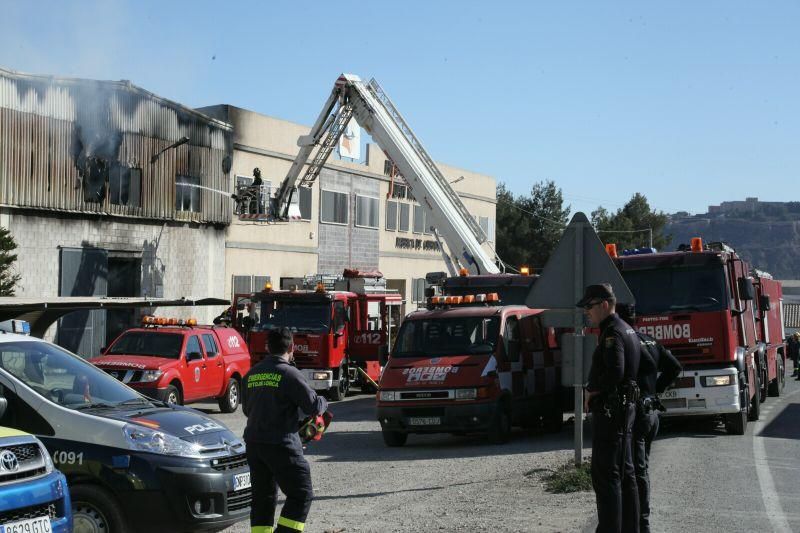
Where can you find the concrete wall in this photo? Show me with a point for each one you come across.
(177, 259)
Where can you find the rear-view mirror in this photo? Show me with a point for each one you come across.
(746, 290)
(193, 356)
(763, 303)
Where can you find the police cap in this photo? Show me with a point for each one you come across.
(595, 293)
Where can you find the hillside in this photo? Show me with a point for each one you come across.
(773, 246)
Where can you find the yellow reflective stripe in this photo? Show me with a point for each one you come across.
(292, 524)
(9, 432)
(261, 529)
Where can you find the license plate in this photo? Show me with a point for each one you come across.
(32, 525)
(667, 394)
(424, 421)
(240, 482)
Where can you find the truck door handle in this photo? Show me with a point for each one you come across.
(219, 363)
(203, 366)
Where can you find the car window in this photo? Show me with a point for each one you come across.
(193, 345)
(210, 345)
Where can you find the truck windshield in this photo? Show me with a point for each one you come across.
(148, 343)
(671, 290)
(447, 336)
(299, 315)
(62, 377)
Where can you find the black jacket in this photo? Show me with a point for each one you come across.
(616, 359)
(273, 395)
(656, 358)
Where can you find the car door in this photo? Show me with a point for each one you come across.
(195, 384)
(215, 366)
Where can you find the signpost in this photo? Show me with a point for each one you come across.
(579, 260)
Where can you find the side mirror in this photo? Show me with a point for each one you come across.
(763, 303)
(3, 406)
(103, 350)
(193, 356)
(746, 290)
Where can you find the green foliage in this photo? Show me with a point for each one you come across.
(569, 478)
(636, 215)
(529, 227)
(8, 278)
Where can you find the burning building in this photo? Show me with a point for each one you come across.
(109, 189)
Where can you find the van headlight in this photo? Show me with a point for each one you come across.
(386, 396)
(151, 375)
(466, 394)
(149, 440)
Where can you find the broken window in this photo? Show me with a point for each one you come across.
(125, 186)
(187, 194)
(95, 175)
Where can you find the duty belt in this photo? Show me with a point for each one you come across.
(648, 404)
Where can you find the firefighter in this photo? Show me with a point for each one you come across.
(256, 188)
(611, 396)
(655, 358)
(273, 394)
(793, 342)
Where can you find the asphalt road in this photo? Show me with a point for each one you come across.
(706, 480)
(703, 479)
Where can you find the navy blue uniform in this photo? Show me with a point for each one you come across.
(274, 394)
(615, 366)
(655, 358)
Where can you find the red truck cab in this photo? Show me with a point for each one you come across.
(179, 362)
(468, 363)
(338, 331)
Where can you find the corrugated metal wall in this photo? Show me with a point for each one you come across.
(50, 126)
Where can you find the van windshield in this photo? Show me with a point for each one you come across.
(148, 343)
(671, 290)
(447, 336)
(62, 377)
(303, 316)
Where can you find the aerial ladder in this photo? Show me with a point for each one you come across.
(375, 112)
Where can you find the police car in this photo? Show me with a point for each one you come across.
(132, 463)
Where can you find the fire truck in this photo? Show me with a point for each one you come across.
(722, 320)
(339, 326)
(476, 360)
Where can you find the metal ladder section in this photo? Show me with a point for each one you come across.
(378, 92)
(335, 130)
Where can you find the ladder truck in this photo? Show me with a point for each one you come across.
(375, 112)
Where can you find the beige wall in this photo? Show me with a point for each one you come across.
(290, 248)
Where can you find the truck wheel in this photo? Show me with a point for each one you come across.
(736, 423)
(95, 511)
(394, 439)
(229, 402)
(339, 391)
(755, 405)
(553, 420)
(173, 395)
(777, 384)
(500, 426)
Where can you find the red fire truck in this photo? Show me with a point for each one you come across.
(722, 323)
(476, 360)
(339, 327)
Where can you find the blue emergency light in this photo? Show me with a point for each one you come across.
(639, 251)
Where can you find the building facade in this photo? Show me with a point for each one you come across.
(356, 216)
(108, 189)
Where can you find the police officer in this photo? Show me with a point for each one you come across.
(273, 394)
(610, 396)
(655, 358)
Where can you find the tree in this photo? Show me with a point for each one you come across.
(8, 278)
(629, 226)
(529, 227)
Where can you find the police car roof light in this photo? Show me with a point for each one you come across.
(22, 327)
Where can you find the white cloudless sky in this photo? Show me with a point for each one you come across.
(690, 103)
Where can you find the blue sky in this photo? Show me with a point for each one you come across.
(690, 103)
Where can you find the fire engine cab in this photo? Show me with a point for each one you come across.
(471, 362)
(339, 327)
(179, 362)
(720, 319)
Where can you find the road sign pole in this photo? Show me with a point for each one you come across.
(578, 346)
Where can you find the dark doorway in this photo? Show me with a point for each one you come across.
(84, 272)
(124, 280)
